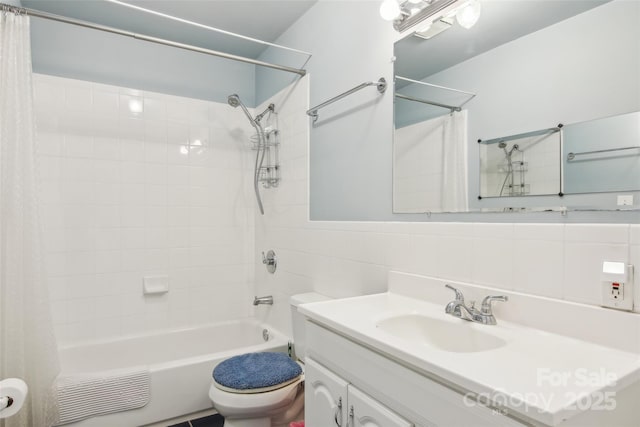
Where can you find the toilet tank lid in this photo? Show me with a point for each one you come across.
(296, 300)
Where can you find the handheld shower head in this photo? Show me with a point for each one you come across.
(233, 100)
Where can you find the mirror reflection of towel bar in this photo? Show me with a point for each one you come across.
(572, 156)
(424, 101)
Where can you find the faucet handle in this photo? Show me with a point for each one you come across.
(459, 296)
(486, 302)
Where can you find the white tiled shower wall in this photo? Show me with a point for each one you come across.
(134, 184)
(343, 259)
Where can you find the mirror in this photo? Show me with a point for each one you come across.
(523, 69)
(527, 164)
(602, 155)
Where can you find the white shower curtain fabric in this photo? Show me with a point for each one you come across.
(27, 343)
(454, 192)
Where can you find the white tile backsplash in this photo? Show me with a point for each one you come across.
(548, 277)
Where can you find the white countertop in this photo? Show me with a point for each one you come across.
(541, 375)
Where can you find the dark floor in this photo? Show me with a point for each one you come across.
(209, 421)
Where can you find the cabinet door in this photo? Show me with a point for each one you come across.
(325, 397)
(366, 412)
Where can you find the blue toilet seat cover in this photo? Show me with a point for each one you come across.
(256, 371)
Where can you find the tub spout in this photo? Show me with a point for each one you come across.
(263, 300)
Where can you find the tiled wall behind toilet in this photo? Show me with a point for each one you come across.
(342, 259)
(134, 184)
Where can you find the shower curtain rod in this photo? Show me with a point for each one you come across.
(137, 36)
(206, 27)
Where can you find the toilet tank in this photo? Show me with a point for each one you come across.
(297, 319)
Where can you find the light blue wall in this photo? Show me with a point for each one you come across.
(13, 2)
(351, 146)
(75, 52)
(270, 81)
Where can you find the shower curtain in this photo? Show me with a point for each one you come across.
(454, 190)
(27, 343)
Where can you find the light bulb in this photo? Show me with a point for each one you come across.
(469, 14)
(389, 10)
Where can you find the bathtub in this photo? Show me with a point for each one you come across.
(180, 364)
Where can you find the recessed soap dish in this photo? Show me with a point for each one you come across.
(154, 285)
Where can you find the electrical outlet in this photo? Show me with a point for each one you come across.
(617, 285)
(617, 291)
(625, 200)
(617, 295)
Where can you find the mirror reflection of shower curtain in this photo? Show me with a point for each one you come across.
(27, 343)
(454, 192)
(430, 165)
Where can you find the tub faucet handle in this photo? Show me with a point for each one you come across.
(270, 261)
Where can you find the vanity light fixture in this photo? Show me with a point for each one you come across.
(435, 15)
(434, 28)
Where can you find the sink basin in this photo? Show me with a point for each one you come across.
(457, 336)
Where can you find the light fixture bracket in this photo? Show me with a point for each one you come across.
(433, 10)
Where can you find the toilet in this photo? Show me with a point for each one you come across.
(248, 395)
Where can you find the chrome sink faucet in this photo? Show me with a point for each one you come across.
(458, 308)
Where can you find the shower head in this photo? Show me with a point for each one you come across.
(502, 144)
(233, 100)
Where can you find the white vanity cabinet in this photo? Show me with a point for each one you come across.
(332, 401)
(390, 393)
(325, 396)
(366, 412)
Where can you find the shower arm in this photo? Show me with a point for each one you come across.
(270, 108)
